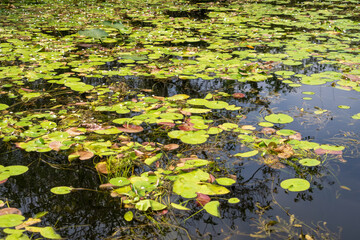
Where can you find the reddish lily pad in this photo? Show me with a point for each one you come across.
(5, 211)
(238, 95)
(129, 128)
(85, 155)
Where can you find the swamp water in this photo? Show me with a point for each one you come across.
(179, 120)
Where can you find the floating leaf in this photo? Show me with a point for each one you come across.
(171, 116)
(356, 116)
(179, 207)
(286, 132)
(279, 118)
(216, 104)
(247, 154)
(85, 155)
(309, 162)
(11, 220)
(295, 184)
(14, 170)
(5, 211)
(128, 216)
(94, 33)
(194, 138)
(265, 124)
(119, 181)
(171, 146)
(61, 190)
(178, 97)
(202, 199)
(112, 130)
(213, 208)
(233, 200)
(144, 205)
(344, 107)
(131, 128)
(225, 181)
(49, 232)
(238, 95)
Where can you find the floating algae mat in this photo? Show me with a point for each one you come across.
(161, 120)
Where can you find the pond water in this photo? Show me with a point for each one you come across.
(127, 113)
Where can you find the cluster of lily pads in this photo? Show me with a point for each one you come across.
(64, 91)
(11, 219)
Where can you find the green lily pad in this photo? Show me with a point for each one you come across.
(197, 101)
(356, 116)
(119, 181)
(247, 154)
(94, 33)
(11, 220)
(49, 232)
(128, 216)
(279, 118)
(61, 190)
(196, 110)
(107, 131)
(145, 205)
(15, 170)
(285, 132)
(194, 138)
(179, 207)
(178, 97)
(216, 104)
(309, 162)
(233, 200)
(172, 116)
(265, 124)
(213, 208)
(295, 184)
(344, 107)
(225, 181)
(192, 163)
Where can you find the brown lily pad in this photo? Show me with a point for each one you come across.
(73, 131)
(238, 95)
(129, 128)
(6, 211)
(101, 167)
(187, 127)
(202, 199)
(166, 125)
(85, 155)
(268, 130)
(321, 151)
(171, 146)
(55, 145)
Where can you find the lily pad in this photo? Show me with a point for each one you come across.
(179, 207)
(61, 190)
(216, 104)
(295, 184)
(94, 33)
(247, 154)
(128, 216)
(213, 208)
(356, 116)
(309, 162)
(344, 107)
(279, 118)
(119, 181)
(225, 181)
(11, 220)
